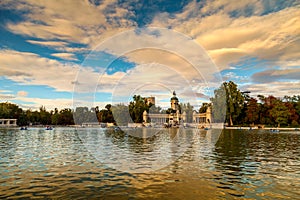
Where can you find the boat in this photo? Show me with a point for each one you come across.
(23, 128)
(49, 128)
(274, 130)
(117, 128)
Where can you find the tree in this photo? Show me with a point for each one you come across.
(137, 108)
(188, 109)
(228, 99)
(65, 117)
(204, 107)
(219, 106)
(280, 113)
(106, 115)
(235, 102)
(10, 111)
(45, 116)
(22, 120)
(252, 111)
(293, 117)
(54, 117)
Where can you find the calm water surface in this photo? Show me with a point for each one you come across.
(68, 163)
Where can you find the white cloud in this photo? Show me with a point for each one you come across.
(65, 56)
(154, 79)
(51, 104)
(226, 6)
(275, 88)
(59, 45)
(22, 93)
(6, 95)
(163, 46)
(165, 59)
(227, 39)
(48, 43)
(79, 22)
(29, 68)
(279, 75)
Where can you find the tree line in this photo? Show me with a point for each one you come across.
(120, 114)
(236, 107)
(38, 117)
(229, 105)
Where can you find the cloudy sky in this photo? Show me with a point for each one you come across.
(69, 53)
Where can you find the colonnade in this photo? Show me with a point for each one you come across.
(8, 122)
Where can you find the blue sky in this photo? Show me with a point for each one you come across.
(70, 53)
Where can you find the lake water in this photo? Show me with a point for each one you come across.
(68, 163)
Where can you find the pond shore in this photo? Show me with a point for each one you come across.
(265, 128)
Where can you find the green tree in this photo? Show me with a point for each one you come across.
(54, 117)
(280, 113)
(235, 102)
(106, 115)
(230, 100)
(10, 111)
(45, 116)
(137, 107)
(65, 117)
(219, 106)
(23, 120)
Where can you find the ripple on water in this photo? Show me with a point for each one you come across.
(238, 165)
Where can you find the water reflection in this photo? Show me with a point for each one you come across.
(247, 160)
(211, 164)
(138, 150)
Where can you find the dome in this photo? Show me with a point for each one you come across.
(174, 98)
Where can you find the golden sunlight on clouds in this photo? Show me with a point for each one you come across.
(74, 21)
(227, 33)
(29, 68)
(229, 39)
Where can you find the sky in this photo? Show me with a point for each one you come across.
(64, 54)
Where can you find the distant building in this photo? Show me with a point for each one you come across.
(175, 115)
(8, 122)
(176, 118)
(174, 102)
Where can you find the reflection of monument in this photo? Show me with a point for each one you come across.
(174, 117)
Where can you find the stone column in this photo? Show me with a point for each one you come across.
(145, 116)
(184, 116)
(208, 115)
